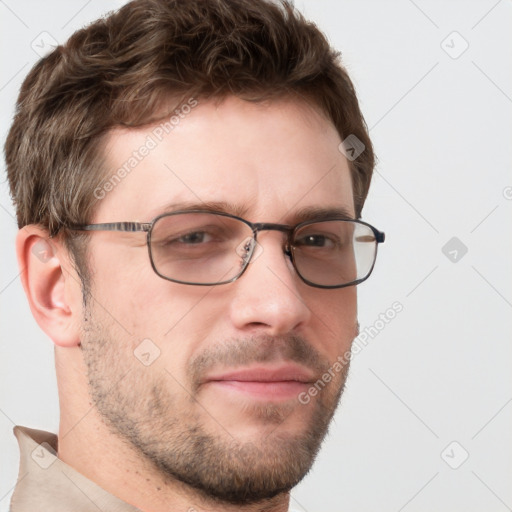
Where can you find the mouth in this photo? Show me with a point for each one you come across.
(284, 382)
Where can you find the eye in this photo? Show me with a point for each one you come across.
(196, 237)
(315, 240)
(192, 239)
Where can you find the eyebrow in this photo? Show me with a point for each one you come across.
(302, 215)
(321, 213)
(209, 206)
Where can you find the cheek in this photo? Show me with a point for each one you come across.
(144, 305)
(336, 318)
(176, 318)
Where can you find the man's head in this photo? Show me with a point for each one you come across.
(236, 107)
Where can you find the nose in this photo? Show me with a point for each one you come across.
(267, 297)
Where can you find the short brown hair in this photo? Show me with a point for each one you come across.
(120, 69)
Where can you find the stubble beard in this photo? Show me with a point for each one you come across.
(169, 431)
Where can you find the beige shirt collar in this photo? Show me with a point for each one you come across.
(47, 483)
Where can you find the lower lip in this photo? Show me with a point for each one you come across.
(276, 390)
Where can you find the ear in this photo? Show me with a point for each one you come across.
(52, 287)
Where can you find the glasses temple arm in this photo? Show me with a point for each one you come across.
(114, 226)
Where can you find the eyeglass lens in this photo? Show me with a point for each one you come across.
(207, 248)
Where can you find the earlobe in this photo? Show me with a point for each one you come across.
(45, 268)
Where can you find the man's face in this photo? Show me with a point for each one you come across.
(210, 397)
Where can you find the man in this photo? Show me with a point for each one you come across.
(187, 178)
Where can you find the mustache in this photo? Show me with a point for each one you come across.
(256, 349)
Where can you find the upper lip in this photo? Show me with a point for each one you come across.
(287, 372)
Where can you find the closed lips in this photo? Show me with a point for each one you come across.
(287, 373)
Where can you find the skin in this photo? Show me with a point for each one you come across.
(122, 423)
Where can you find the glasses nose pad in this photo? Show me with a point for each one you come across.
(245, 250)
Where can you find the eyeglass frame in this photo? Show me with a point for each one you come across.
(255, 227)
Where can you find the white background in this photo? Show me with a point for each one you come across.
(440, 370)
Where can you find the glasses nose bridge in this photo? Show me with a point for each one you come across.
(270, 226)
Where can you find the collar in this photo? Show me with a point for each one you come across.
(47, 483)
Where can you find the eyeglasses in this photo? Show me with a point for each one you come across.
(210, 248)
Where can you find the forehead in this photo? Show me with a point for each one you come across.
(267, 160)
